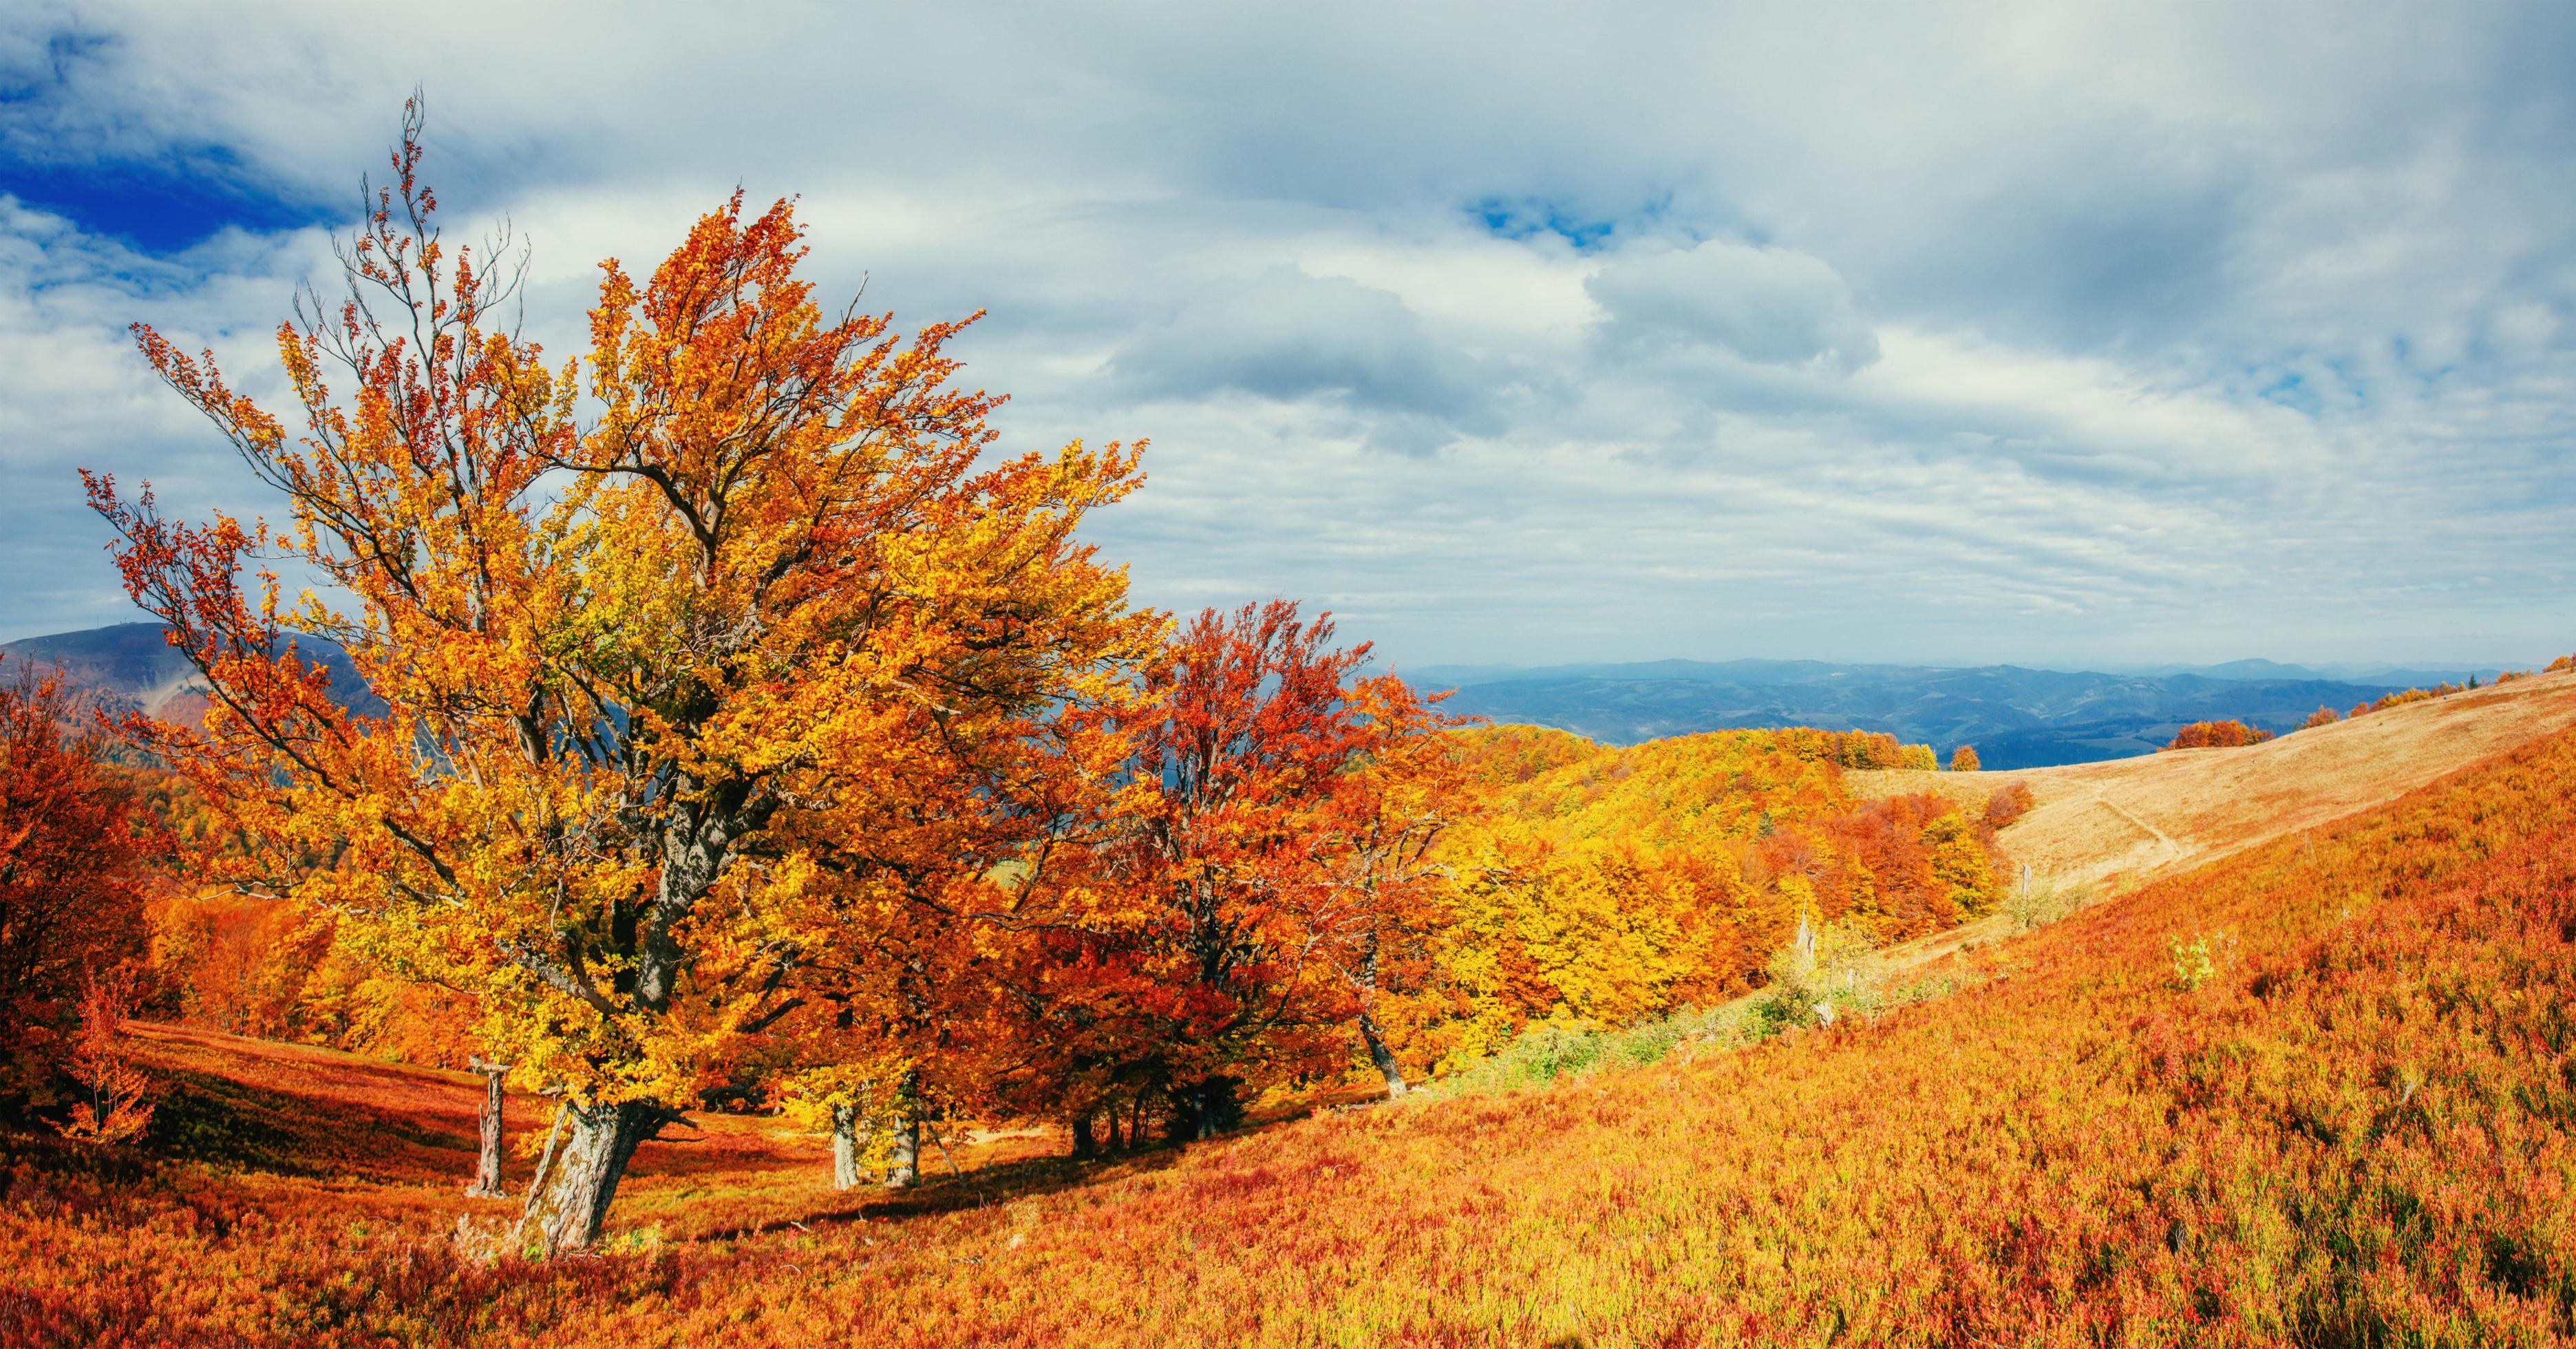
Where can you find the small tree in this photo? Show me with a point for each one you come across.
(74, 850)
(1963, 759)
(1822, 975)
(114, 1103)
(2009, 803)
(2323, 716)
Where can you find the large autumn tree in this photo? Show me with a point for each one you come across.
(690, 653)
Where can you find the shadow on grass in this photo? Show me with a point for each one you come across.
(208, 1117)
(983, 1187)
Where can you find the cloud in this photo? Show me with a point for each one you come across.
(1286, 335)
(1764, 304)
(2011, 331)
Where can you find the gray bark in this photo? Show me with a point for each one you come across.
(1382, 1056)
(487, 1166)
(905, 1166)
(845, 1147)
(568, 1205)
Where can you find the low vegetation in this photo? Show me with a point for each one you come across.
(2218, 735)
(2341, 1120)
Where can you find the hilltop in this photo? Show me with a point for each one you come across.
(129, 668)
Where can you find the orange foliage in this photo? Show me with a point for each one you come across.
(2217, 735)
(2009, 803)
(1964, 759)
(114, 1103)
(1265, 860)
(1624, 883)
(2405, 696)
(2323, 716)
(704, 661)
(73, 878)
(2349, 1130)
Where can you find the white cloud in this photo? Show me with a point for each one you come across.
(2013, 331)
(1768, 305)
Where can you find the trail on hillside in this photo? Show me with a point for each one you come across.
(2198, 805)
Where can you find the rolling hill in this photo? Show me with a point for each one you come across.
(2017, 718)
(2302, 1079)
(2126, 821)
(130, 668)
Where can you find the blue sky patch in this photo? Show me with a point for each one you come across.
(156, 207)
(1529, 217)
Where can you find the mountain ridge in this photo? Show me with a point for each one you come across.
(2016, 717)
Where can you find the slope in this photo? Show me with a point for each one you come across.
(2319, 1092)
(2123, 821)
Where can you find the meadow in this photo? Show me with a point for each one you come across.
(2316, 1092)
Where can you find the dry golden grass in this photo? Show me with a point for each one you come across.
(2123, 822)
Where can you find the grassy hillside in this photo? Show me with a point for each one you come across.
(2125, 820)
(2318, 1091)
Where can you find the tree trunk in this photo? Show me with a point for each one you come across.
(487, 1166)
(1084, 1144)
(1382, 1056)
(1113, 1140)
(905, 1166)
(569, 1203)
(1207, 1108)
(845, 1147)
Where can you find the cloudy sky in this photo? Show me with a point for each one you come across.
(2041, 333)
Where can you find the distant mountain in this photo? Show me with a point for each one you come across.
(130, 668)
(2401, 676)
(2017, 718)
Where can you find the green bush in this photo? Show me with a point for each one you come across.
(1821, 977)
(2039, 903)
(1555, 1049)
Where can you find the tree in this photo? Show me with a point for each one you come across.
(2009, 803)
(1963, 759)
(1376, 887)
(2323, 716)
(114, 1103)
(1274, 848)
(487, 1158)
(673, 692)
(74, 873)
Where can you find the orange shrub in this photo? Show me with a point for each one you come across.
(2008, 804)
(2323, 716)
(2217, 735)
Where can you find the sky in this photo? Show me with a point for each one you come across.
(2049, 334)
